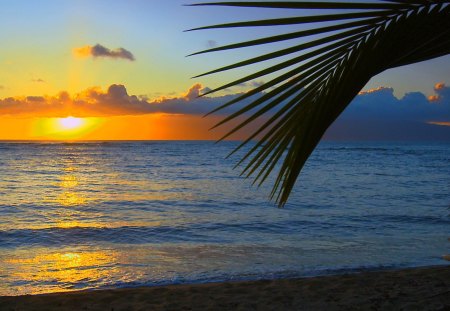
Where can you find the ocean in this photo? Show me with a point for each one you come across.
(122, 214)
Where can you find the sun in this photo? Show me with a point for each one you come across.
(70, 123)
(68, 128)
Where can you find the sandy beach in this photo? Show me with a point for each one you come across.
(425, 288)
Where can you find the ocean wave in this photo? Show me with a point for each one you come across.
(205, 232)
(178, 210)
(89, 235)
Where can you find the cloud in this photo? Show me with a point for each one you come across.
(101, 51)
(194, 91)
(378, 114)
(440, 123)
(374, 114)
(251, 84)
(381, 104)
(112, 102)
(442, 93)
(2, 87)
(39, 80)
(211, 43)
(377, 89)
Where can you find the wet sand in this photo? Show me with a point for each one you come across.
(425, 288)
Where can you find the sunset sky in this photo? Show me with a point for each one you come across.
(102, 69)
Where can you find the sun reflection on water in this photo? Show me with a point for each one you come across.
(60, 271)
(70, 195)
(68, 181)
(71, 199)
(69, 169)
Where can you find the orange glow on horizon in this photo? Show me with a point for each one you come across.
(137, 127)
(69, 128)
(441, 123)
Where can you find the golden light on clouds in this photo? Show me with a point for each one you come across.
(433, 98)
(443, 123)
(374, 90)
(439, 86)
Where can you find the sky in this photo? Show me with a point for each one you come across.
(112, 69)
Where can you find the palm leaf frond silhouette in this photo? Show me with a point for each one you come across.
(315, 86)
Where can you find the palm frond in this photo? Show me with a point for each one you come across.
(318, 83)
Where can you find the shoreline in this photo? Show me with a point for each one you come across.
(424, 288)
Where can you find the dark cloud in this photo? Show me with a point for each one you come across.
(35, 99)
(205, 90)
(378, 114)
(381, 104)
(39, 80)
(211, 44)
(251, 84)
(256, 83)
(101, 51)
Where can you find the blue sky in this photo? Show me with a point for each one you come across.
(153, 31)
